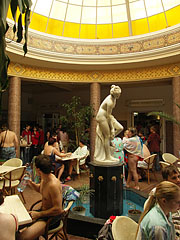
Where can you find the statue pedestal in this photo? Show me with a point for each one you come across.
(107, 181)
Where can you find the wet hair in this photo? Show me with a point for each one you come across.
(133, 131)
(1, 197)
(43, 162)
(165, 189)
(169, 171)
(51, 141)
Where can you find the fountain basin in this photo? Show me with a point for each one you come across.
(88, 226)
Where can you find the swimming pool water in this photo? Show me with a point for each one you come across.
(131, 200)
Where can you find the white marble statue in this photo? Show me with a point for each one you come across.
(107, 128)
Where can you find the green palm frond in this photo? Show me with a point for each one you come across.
(177, 105)
(22, 6)
(166, 116)
(76, 119)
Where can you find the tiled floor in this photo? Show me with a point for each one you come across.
(31, 196)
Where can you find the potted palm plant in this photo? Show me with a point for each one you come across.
(84, 194)
(166, 116)
(134, 213)
(76, 120)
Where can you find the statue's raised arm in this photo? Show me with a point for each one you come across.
(107, 127)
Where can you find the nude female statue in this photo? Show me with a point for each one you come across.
(107, 126)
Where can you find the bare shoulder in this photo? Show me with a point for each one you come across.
(8, 218)
(11, 133)
(55, 183)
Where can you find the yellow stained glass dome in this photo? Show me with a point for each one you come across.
(103, 19)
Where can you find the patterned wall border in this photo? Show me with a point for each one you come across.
(125, 75)
(153, 41)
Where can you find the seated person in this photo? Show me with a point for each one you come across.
(171, 174)
(52, 152)
(51, 190)
(56, 145)
(81, 152)
(156, 220)
(8, 223)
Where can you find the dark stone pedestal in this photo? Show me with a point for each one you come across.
(107, 181)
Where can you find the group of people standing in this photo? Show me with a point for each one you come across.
(35, 140)
(131, 149)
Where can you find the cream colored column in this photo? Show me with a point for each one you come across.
(176, 114)
(95, 103)
(14, 106)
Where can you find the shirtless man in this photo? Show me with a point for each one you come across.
(9, 143)
(51, 191)
(8, 223)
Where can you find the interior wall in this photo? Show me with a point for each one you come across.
(50, 102)
(36, 103)
(123, 111)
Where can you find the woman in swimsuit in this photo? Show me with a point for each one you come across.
(52, 152)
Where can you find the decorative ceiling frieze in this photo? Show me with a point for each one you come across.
(124, 75)
(106, 47)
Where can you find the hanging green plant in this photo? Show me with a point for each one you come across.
(24, 7)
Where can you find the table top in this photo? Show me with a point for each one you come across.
(71, 157)
(12, 204)
(4, 169)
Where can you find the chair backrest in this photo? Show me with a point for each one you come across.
(15, 174)
(164, 164)
(62, 223)
(124, 228)
(69, 205)
(170, 158)
(150, 160)
(13, 162)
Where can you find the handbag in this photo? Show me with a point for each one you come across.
(105, 232)
(23, 143)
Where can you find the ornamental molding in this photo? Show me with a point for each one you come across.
(147, 47)
(124, 75)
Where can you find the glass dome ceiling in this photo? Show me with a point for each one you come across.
(103, 19)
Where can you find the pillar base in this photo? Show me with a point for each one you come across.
(107, 181)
